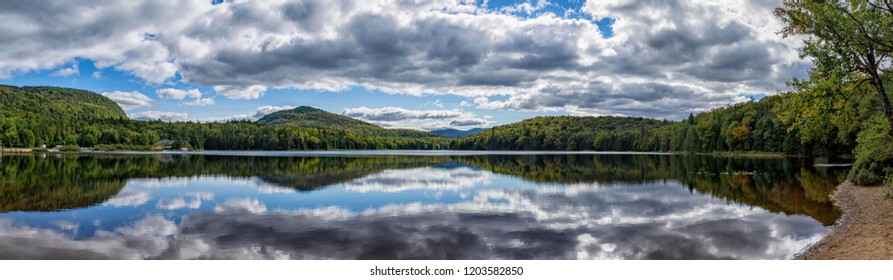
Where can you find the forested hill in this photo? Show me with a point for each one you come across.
(57, 103)
(312, 117)
(31, 116)
(566, 133)
(750, 126)
(305, 116)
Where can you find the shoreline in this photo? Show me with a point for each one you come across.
(863, 232)
(716, 154)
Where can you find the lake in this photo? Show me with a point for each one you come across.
(411, 205)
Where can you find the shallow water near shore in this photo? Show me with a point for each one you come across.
(411, 205)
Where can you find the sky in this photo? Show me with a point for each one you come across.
(422, 64)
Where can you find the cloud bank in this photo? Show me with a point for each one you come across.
(664, 59)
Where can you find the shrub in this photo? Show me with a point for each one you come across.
(874, 156)
(122, 147)
(70, 148)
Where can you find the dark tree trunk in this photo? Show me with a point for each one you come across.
(885, 103)
(882, 92)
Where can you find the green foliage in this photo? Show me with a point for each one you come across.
(58, 116)
(123, 147)
(846, 97)
(750, 126)
(874, 155)
(53, 102)
(309, 117)
(786, 185)
(779, 185)
(566, 133)
(70, 148)
(52, 184)
(820, 110)
(851, 44)
(31, 183)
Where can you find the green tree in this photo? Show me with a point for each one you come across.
(850, 43)
(28, 139)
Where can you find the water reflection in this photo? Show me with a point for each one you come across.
(412, 207)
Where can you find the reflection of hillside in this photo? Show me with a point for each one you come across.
(792, 195)
(31, 184)
(299, 173)
(785, 186)
(569, 169)
(778, 185)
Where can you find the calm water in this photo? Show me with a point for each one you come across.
(415, 205)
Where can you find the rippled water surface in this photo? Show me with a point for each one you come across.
(415, 205)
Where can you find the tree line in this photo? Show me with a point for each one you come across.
(750, 126)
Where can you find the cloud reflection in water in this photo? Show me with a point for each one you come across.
(580, 221)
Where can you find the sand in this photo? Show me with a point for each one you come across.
(864, 232)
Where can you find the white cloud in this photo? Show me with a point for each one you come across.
(160, 115)
(525, 7)
(207, 101)
(706, 52)
(469, 122)
(190, 201)
(178, 94)
(65, 72)
(242, 205)
(241, 92)
(428, 179)
(149, 60)
(129, 198)
(129, 100)
(394, 117)
(265, 110)
(390, 114)
(260, 112)
(436, 103)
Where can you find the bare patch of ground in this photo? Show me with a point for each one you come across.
(864, 232)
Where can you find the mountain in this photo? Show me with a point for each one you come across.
(57, 103)
(305, 116)
(455, 133)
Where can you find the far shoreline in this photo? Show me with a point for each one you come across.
(742, 154)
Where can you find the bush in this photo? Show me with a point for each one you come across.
(874, 156)
(866, 177)
(70, 148)
(122, 147)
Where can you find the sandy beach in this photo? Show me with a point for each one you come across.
(863, 232)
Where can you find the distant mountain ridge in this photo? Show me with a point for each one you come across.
(455, 133)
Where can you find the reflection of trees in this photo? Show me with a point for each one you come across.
(787, 185)
(779, 185)
(574, 168)
(31, 184)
